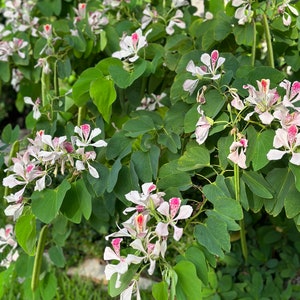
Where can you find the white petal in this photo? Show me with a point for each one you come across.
(185, 212)
(274, 154)
(162, 229)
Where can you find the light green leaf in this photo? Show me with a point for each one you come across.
(244, 34)
(263, 72)
(46, 203)
(160, 291)
(103, 94)
(81, 87)
(194, 158)
(257, 184)
(188, 284)
(48, 286)
(25, 229)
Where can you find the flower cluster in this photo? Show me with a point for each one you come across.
(151, 102)
(271, 107)
(45, 156)
(7, 238)
(148, 228)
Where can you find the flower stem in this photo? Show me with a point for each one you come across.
(81, 115)
(45, 86)
(253, 52)
(242, 224)
(38, 258)
(268, 40)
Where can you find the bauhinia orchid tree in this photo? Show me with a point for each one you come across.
(161, 128)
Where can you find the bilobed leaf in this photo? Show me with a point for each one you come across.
(119, 143)
(214, 103)
(113, 175)
(103, 94)
(213, 235)
(263, 72)
(48, 286)
(281, 180)
(194, 158)
(257, 184)
(138, 126)
(57, 256)
(46, 203)
(244, 34)
(188, 284)
(169, 139)
(123, 78)
(81, 87)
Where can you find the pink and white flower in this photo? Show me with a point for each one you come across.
(289, 139)
(86, 135)
(151, 102)
(237, 152)
(170, 210)
(175, 21)
(36, 105)
(211, 63)
(202, 127)
(264, 100)
(292, 95)
(244, 12)
(130, 45)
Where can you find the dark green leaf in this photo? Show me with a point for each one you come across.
(138, 126)
(194, 158)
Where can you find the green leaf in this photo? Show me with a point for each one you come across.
(188, 284)
(244, 34)
(4, 71)
(169, 139)
(10, 135)
(48, 286)
(64, 68)
(213, 235)
(77, 202)
(264, 72)
(57, 256)
(197, 257)
(138, 126)
(263, 144)
(103, 94)
(46, 203)
(257, 184)
(292, 203)
(224, 144)
(281, 180)
(113, 175)
(190, 119)
(26, 232)
(123, 78)
(117, 145)
(146, 163)
(296, 171)
(124, 278)
(160, 291)
(194, 158)
(170, 176)
(81, 87)
(214, 103)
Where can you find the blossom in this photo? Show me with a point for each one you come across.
(16, 78)
(170, 210)
(86, 135)
(149, 15)
(17, 45)
(43, 62)
(211, 63)
(80, 11)
(286, 17)
(289, 139)
(244, 13)
(151, 102)
(84, 159)
(202, 127)
(292, 95)
(144, 200)
(179, 3)
(5, 51)
(7, 238)
(15, 210)
(237, 152)
(96, 20)
(175, 21)
(36, 104)
(263, 100)
(130, 45)
(236, 102)
(127, 293)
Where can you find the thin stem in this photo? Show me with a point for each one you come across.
(268, 40)
(45, 86)
(253, 52)
(242, 224)
(81, 115)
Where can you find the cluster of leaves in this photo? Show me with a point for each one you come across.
(68, 56)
